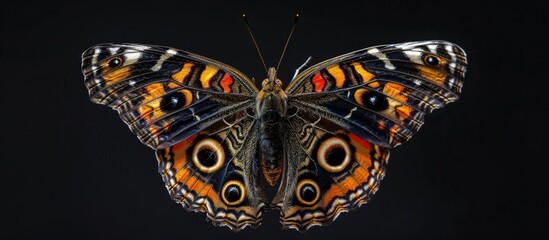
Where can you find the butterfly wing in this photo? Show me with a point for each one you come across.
(193, 111)
(347, 112)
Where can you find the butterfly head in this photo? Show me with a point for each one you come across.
(271, 97)
(271, 83)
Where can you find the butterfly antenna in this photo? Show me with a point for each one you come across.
(288, 40)
(253, 39)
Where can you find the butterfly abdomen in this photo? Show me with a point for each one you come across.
(270, 141)
(270, 146)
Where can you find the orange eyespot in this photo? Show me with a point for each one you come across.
(114, 62)
(431, 60)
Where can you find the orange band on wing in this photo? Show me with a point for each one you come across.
(374, 84)
(434, 75)
(198, 186)
(207, 75)
(151, 101)
(185, 70)
(404, 111)
(338, 75)
(179, 150)
(116, 75)
(349, 183)
(395, 90)
(361, 174)
(366, 76)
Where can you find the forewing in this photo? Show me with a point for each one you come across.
(383, 93)
(163, 94)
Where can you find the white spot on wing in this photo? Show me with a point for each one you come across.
(174, 101)
(452, 67)
(131, 57)
(171, 52)
(451, 52)
(163, 58)
(168, 54)
(432, 48)
(414, 55)
(350, 113)
(113, 50)
(140, 47)
(451, 81)
(195, 116)
(96, 53)
(381, 56)
(407, 45)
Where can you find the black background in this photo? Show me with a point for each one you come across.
(75, 171)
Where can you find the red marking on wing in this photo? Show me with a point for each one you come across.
(319, 82)
(184, 143)
(226, 83)
(362, 142)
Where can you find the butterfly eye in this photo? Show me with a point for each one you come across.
(114, 62)
(208, 155)
(265, 82)
(334, 154)
(233, 192)
(307, 192)
(278, 82)
(431, 60)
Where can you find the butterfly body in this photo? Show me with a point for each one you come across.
(324, 140)
(271, 110)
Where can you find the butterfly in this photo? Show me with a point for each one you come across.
(323, 140)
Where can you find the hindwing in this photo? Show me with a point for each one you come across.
(213, 171)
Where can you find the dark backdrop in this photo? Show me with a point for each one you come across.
(75, 171)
